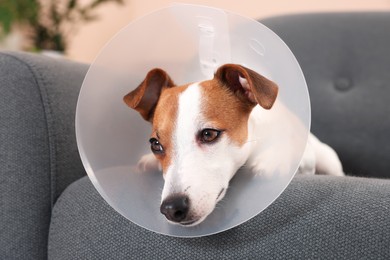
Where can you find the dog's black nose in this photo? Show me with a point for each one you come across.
(175, 208)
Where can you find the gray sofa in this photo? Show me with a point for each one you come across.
(49, 209)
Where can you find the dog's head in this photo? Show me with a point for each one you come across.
(199, 134)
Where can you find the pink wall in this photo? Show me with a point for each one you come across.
(90, 38)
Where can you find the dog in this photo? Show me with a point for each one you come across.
(203, 132)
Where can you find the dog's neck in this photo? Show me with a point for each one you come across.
(260, 126)
(264, 130)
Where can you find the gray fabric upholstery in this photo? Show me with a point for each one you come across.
(38, 155)
(317, 217)
(346, 61)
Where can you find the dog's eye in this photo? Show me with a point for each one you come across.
(209, 135)
(155, 146)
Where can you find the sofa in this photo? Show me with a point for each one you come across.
(50, 209)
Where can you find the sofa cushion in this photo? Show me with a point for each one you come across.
(316, 217)
(346, 61)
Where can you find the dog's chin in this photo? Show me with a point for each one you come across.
(192, 223)
(189, 222)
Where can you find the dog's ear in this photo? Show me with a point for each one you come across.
(145, 97)
(248, 85)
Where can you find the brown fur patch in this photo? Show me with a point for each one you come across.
(164, 120)
(225, 110)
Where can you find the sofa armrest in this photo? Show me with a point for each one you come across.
(38, 155)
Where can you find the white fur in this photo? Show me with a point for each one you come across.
(276, 135)
(326, 160)
(148, 162)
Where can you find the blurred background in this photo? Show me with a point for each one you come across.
(78, 29)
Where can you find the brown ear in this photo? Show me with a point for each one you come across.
(145, 97)
(248, 85)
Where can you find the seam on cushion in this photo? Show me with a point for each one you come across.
(39, 78)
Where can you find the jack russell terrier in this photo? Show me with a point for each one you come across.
(203, 132)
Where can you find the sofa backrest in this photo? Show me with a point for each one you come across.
(345, 58)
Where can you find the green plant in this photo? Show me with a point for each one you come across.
(48, 22)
